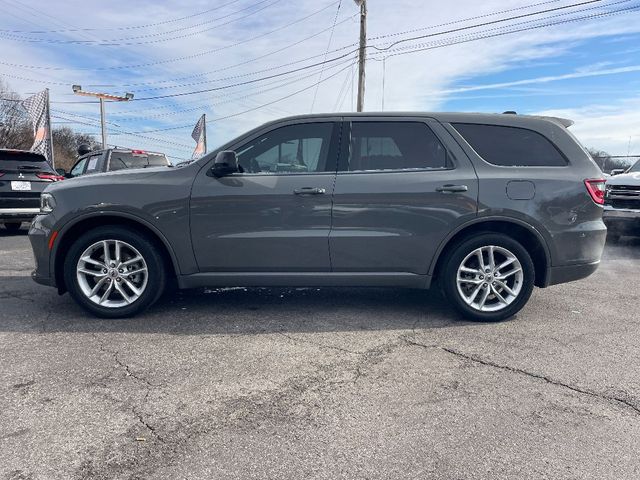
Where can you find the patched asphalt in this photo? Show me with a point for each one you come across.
(321, 383)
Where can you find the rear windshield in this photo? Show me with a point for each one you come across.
(511, 146)
(122, 160)
(14, 161)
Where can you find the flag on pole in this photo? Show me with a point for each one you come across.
(199, 134)
(37, 106)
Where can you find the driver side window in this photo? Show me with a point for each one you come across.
(302, 148)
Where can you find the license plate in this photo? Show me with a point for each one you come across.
(21, 186)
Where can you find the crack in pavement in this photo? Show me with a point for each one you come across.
(520, 371)
(148, 387)
(319, 345)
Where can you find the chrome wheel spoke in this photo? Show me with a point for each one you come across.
(132, 260)
(480, 259)
(124, 294)
(474, 271)
(131, 286)
(93, 273)
(88, 259)
(97, 287)
(106, 293)
(483, 298)
(498, 295)
(506, 263)
(118, 245)
(133, 272)
(492, 259)
(505, 288)
(107, 255)
(503, 276)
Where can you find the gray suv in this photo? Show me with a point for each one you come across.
(487, 206)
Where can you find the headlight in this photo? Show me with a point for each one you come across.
(47, 203)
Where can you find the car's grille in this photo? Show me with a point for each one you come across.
(623, 196)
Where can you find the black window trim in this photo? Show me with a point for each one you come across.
(345, 151)
(495, 165)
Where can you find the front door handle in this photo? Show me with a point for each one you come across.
(309, 191)
(452, 188)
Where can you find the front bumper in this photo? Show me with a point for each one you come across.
(622, 221)
(39, 235)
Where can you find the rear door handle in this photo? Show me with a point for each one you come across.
(309, 191)
(452, 188)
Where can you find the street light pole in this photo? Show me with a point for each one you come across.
(77, 89)
(103, 127)
(361, 52)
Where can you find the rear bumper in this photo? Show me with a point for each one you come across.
(622, 222)
(570, 273)
(18, 214)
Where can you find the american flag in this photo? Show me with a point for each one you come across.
(199, 134)
(37, 106)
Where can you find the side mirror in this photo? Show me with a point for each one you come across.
(61, 171)
(226, 163)
(617, 171)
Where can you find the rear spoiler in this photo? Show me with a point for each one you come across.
(565, 122)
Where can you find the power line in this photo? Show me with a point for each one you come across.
(132, 27)
(126, 40)
(333, 27)
(309, 87)
(171, 60)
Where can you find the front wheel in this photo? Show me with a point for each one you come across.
(114, 272)
(488, 277)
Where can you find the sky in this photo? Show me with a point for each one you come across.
(244, 62)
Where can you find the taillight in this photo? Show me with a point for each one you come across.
(50, 176)
(596, 189)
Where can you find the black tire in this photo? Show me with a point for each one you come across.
(460, 251)
(156, 275)
(12, 227)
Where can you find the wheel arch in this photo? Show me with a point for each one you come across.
(524, 233)
(71, 231)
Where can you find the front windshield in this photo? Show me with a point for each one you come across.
(635, 167)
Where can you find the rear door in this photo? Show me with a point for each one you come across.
(402, 187)
(276, 215)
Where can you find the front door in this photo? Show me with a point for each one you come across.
(275, 216)
(402, 187)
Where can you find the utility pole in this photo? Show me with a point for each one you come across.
(77, 89)
(361, 53)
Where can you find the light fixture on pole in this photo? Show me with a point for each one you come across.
(77, 89)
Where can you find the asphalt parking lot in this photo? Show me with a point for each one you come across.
(321, 383)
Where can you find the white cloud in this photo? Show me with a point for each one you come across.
(612, 128)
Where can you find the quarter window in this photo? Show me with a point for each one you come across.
(395, 146)
(302, 148)
(511, 146)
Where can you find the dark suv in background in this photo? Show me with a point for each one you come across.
(23, 176)
(112, 159)
(487, 206)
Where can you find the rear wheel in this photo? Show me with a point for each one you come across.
(488, 277)
(114, 272)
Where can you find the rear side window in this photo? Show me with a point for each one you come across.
(395, 146)
(511, 146)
